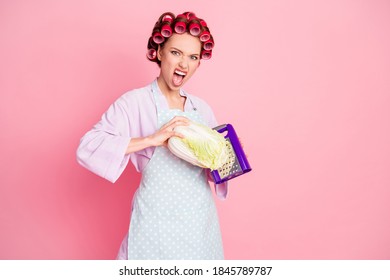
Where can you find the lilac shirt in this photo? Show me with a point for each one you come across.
(102, 149)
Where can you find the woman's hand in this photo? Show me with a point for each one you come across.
(167, 131)
(159, 138)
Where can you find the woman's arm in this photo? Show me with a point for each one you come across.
(102, 149)
(159, 138)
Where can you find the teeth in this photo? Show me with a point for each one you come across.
(180, 73)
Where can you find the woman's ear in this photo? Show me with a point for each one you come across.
(159, 51)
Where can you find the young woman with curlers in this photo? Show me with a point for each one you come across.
(173, 210)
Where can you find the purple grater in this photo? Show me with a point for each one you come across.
(237, 164)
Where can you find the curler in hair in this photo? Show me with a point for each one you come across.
(203, 23)
(194, 28)
(151, 54)
(168, 18)
(158, 38)
(190, 15)
(204, 36)
(182, 16)
(205, 55)
(152, 44)
(180, 27)
(166, 30)
(168, 23)
(209, 45)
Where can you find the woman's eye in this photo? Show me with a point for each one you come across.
(175, 52)
(194, 57)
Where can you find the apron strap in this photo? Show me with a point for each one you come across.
(155, 95)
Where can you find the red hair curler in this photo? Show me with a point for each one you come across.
(168, 23)
(167, 18)
(180, 27)
(194, 29)
(190, 15)
(181, 23)
(158, 38)
(152, 44)
(151, 54)
(209, 45)
(203, 23)
(205, 55)
(182, 16)
(166, 30)
(204, 36)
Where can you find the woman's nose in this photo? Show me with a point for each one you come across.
(183, 63)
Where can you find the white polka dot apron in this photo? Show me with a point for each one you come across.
(174, 214)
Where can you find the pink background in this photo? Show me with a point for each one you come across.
(306, 85)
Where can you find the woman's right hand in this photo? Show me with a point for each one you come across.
(161, 137)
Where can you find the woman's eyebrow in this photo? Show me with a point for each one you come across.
(176, 49)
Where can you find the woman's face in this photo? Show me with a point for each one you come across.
(180, 57)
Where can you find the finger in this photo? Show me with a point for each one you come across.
(179, 119)
(173, 134)
(177, 134)
(176, 122)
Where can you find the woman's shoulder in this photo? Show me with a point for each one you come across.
(204, 109)
(136, 97)
(199, 102)
(137, 93)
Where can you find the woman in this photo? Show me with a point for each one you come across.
(173, 211)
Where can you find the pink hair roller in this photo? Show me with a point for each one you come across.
(152, 44)
(180, 27)
(206, 55)
(194, 29)
(203, 23)
(151, 54)
(204, 36)
(182, 16)
(190, 15)
(167, 18)
(166, 30)
(158, 38)
(209, 45)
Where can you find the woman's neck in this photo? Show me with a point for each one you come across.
(165, 89)
(173, 97)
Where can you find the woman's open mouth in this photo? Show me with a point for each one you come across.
(178, 77)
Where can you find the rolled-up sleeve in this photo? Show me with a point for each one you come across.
(102, 150)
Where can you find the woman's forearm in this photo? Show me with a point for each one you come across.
(137, 144)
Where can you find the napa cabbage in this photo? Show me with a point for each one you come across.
(201, 146)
